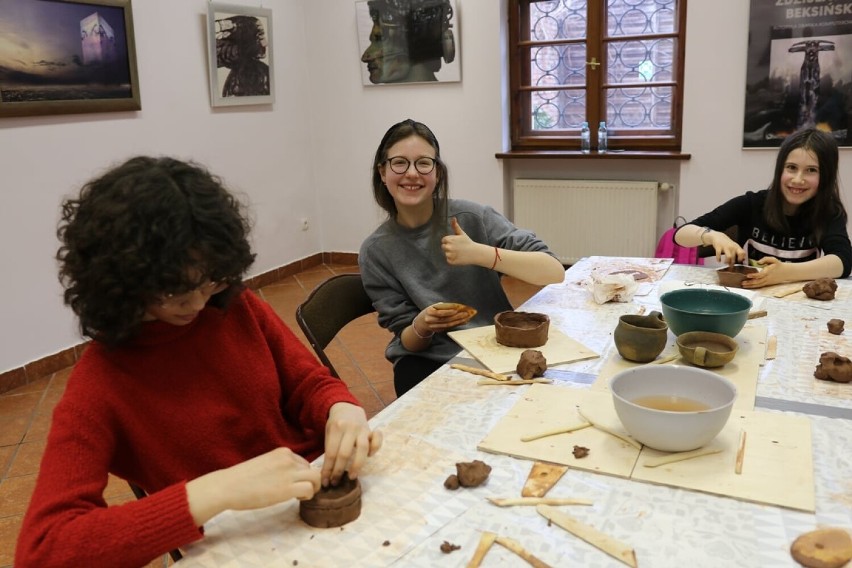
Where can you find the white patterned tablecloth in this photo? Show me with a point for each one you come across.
(407, 513)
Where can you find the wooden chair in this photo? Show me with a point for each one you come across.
(328, 308)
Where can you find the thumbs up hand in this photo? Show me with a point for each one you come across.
(459, 249)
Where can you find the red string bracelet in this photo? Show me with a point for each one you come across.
(496, 258)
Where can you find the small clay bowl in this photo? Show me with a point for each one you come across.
(733, 276)
(333, 506)
(707, 349)
(521, 329)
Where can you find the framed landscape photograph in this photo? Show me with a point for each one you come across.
(64, 57)
(240, 55)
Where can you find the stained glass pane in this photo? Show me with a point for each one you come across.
(640, 17)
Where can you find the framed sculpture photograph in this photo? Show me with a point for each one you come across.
(240, 55)
(798, 72)
(64, 57)
(408, 41)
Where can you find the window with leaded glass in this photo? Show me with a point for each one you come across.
(575, 61)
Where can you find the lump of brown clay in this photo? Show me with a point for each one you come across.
(835, 326)
(822, 548)
(521, 329)
(820, 289)
(452, 482)
(834, 367)
(333, 506)
(580, 452)
(472, 474)
(531, 364)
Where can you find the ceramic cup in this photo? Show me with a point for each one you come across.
(641, 338)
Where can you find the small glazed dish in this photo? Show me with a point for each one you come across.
(707, 349)
(733, 276)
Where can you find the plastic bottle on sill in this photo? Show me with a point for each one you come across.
(585, 138)
(602, 138)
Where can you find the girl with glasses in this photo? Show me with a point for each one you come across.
(192, 387)
(433, 249)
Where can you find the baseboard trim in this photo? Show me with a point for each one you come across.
(50, 364)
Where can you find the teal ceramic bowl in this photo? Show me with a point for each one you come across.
(700, 309)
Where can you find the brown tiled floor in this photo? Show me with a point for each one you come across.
(357, 353)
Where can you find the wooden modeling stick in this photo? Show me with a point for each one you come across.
(622, 437)
(516, 547)
(485, 542)
(785, 293)
(528, 501)
(665, 360)
(542, 477)
(593, 536)
(480, 372)
(680, 456)
(771, 347)
(513, 381)
(563, 430)
(738, 468)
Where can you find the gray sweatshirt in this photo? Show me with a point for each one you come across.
(404, 271)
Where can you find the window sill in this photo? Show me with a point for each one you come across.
(576, 154)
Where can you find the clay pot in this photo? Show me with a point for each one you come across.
(707, 349)
(641, 338)
(521, 329)
(733, 276)
(333, 506)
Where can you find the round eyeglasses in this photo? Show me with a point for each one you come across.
(206, 289)
(400, 165)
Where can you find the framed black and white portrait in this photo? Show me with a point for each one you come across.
(240, 55)
(408, 41)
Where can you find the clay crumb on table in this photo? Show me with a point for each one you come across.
(580, 452)
(835, 326)
(448, 547)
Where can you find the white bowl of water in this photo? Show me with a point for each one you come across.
(672, 408)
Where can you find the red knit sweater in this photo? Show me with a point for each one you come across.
(175, 403)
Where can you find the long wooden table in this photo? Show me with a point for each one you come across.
(407, 513)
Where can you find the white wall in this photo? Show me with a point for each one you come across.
(262, 151)
(310, 154)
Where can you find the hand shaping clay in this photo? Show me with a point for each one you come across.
(823, 548)
(834, 367)
(531, 364)
(333, 506)
(820, 289)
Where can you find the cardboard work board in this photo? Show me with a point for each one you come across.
(743, 371)
(481, 343)
(777, 461)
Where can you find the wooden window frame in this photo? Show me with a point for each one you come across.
(523, 139)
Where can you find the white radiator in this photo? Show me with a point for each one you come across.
(578, 218)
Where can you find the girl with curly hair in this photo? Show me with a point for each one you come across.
(192, 387)
(795, 230)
